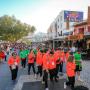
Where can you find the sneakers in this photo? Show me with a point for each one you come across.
(43, 82)
(65, 86)
(47, 89)
(79, 79)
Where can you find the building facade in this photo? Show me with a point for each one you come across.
(62, 26)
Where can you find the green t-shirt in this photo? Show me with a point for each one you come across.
(35, 51)
(23, 54)
(27, 51)
(77, 58)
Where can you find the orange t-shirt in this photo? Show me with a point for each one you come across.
(57, 56)
(11, 60)
(39, 58)
(67, 55)
(31, 58)
(45, 61)
(51, 62)
(70, 69)
(2, 55)
(62, 56)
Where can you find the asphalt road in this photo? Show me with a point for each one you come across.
(7, 84)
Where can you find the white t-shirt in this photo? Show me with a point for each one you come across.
(73, 49)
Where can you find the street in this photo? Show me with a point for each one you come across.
(25, 80)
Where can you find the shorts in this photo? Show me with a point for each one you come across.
(78, 68)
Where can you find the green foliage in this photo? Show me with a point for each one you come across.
(12, 29)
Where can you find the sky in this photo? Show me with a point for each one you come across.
(40, 13)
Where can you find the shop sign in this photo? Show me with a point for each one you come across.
(87, 33)
(75, 37)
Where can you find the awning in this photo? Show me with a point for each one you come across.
(75, 37)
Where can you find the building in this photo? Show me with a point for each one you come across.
(83, 28)
(81, 36)
(62, 26)
(37, 39)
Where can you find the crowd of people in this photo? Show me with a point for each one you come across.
(46, 63)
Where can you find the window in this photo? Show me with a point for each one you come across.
(61, 33)
(61, 18)
(58, 20)
(88, 28)
(81, 30)
(58, 26)
(61, 25)
(58, 34)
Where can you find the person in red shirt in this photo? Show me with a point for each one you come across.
(13, 63)
(62, 59)
(39, 57)
(67, 54)
(45, 68)
(57, 58)
(52, 66)
(70, 70)
(2, 55)
(31, 58)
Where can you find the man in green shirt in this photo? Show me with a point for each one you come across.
(23, 56)
(78, 62)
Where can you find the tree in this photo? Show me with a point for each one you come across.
(12, 29)
(33, 29)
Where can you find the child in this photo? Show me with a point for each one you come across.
(70, 70)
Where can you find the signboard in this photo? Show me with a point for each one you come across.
(74, 16)
(76, 37)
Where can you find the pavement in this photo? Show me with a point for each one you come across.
(28, 82)
(38, 85)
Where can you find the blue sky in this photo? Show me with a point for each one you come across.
(40, 13)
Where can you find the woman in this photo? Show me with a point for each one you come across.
(13, 63)
(31, 59)
(70, 70)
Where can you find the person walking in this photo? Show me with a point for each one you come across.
(62, 59)
(78, 62)
(52, 67)
(70, 71)
(57, 59)
(23, 56)
(31, 59)
(13, 63)
(39, 57)
(2, 55)
(45, 69)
